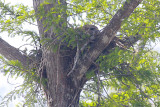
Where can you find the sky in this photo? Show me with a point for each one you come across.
(5, 83)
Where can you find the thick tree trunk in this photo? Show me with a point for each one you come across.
(61, 91)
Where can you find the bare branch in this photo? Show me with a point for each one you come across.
(11, 53)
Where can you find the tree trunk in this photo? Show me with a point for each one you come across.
(61, 91)
(59, 88)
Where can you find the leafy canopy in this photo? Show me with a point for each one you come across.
(126, 77)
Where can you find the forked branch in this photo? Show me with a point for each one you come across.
(105, 37)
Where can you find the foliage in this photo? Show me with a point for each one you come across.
(127, 77)
(30, 89)
(14, 18)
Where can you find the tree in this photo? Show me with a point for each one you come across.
(68, 54)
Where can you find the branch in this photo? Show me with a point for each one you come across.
(105, 37)
(11, 53)
(127, 43)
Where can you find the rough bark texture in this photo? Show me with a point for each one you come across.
(12, 53)
(62, 90)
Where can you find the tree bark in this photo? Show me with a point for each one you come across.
(60, 90)
(12, 53)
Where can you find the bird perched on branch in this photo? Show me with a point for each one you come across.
(92, 32)
(85, 36)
